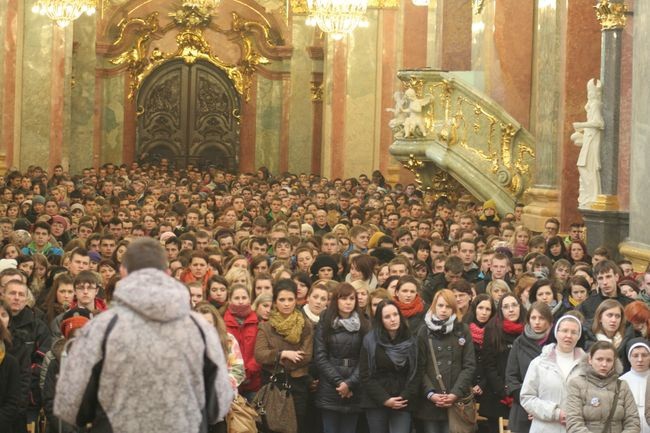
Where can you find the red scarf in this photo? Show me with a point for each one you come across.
(512, 328)
(240, 311)
(477, 333)
(412, 308)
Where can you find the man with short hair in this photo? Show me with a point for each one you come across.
(499, 270)
(41, 242)
(258, 246)
(79, 261)
(467, 253)
(453, 272)
(31, 340)
(551, 228)
(184, 365)
(607, 274)
(107, 245)
(330, 244)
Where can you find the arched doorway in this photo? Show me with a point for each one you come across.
(189, 115)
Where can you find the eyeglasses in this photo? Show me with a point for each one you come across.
(85, 286)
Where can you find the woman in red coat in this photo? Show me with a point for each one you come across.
(241, 322)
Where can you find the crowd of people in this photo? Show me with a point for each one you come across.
(384, 308)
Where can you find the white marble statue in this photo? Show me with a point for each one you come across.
(588, 136)
(409, 119)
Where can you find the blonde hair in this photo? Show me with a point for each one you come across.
(449, 298)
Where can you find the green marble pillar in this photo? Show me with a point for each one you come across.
(82, 95)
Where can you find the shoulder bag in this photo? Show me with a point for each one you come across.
(242, 417)
(462, 414)
(274, 403)
(608, 424)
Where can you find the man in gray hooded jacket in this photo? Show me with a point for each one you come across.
(148, 363)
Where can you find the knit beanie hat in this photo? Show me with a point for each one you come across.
(490, 204)
(324, 261)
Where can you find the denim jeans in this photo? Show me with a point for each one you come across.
(338, 422)
(424, 426)
(385, 420)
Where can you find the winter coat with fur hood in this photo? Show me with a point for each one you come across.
(590, 399)
(153, 375)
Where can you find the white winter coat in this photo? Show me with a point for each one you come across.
(544, 391)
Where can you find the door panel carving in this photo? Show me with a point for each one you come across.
(189, 114)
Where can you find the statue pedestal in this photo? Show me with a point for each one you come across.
(543, 203)
(606, 229)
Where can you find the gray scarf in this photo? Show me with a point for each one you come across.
(351, 324)
(528, 331)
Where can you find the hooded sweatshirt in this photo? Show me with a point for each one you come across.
(152, 378)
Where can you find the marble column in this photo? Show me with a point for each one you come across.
(637, 246)
(606, 225)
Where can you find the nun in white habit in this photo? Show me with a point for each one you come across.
(638, 353)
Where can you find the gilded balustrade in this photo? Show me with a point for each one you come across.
(466, 134)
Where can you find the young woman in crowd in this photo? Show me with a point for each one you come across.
(363, 294)
(242, 323)
(597, 401)
(287, 335)
(59, 298)
(524, 349)
(578, 289)
(390, 372)
(231, 350)
(609, 325)
(544, 391)
(637, 314)
(410, 303)
(496, 289)
(481, 310)
(263, 283)
(555, 248)
(522, 287)
(217, 293)
(447, 340)
(578, 253)
(262, 306)
(519, 242)
(546, 291)
(362, 268)
(337, 347)
(374, 299)
(11, 391)
(638, 355)
(317, 299)
(303, 283)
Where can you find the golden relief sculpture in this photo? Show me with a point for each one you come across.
(192, 45)
(611, 15)
(316, 91)
(464, 129)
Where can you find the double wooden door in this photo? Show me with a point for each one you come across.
(189, 114)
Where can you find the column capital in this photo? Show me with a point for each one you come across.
(611, 15)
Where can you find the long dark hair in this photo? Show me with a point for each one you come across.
(470, 317)
(343, 290)
(403, 332)
(494, 328)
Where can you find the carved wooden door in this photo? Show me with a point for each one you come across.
(189, 114)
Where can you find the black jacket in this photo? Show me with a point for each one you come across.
(432, 284)
(337, 360)
(10, 395)
(387, 380)
(456, 362)
(494, 367)
(31, 340)
(524, 350)
(589, 305)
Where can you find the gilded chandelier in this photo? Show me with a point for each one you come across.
(64, 11)
(338, 17)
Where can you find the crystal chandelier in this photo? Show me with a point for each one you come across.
(337, 17)
(64, 11)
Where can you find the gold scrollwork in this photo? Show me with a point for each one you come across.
(415, 84)
(477, 6)
(316, 91)
(611, 15)
(192, 45)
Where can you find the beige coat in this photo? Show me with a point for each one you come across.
(269, 344)
(589, 402)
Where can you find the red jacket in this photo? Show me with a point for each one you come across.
(246, 333)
